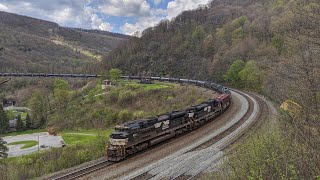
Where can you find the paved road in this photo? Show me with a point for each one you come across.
(44, 139)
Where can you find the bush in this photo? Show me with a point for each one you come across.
(124, 115)
(262, 155)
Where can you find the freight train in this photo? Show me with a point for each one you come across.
(132, 137)
(49, 75)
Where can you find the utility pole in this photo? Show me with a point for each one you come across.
(38, 143)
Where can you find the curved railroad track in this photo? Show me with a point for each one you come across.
(199, 156)
(185, 157)
(202, 154)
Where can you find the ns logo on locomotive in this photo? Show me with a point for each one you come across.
(132, 137)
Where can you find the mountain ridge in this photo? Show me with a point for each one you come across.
(26, 41)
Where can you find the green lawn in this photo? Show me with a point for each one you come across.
(82, 136)
(147, 87)
(27, 144)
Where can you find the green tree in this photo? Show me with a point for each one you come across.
(208, 45)
(38, 106)
(115, 74)
(237, 34)
(250, 76)
(20, 125)
(3, 148)
(221, 33)
(124, 115)
(60, 84)
(277, 3)
(239, 22)
(198, 33)
(232, 75)
(28, 121)
(4, 121)
(62, 96)
(277, 42)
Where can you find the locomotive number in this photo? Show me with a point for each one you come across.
(165, 124)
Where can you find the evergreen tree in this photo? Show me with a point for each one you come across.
(43, 121)
(28, 121)
(20, 125)
(3, 148)
(4, 121)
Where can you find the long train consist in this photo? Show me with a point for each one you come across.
(49, 75)
(132, 137)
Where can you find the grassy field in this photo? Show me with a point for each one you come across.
(72, 137)
(27, 144)
(148, 87)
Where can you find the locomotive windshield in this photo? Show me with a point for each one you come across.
(119, 135)
(122, 129)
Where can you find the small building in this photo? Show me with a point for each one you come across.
(106, 83)
(13, 123)
(8, 102)
(145, 81)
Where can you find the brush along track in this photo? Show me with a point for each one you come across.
(173, 158)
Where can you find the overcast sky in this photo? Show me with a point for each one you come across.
(122, 16)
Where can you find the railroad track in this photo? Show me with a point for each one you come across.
(84, 171)
(218, 141)
(211, 147)
(263, 105)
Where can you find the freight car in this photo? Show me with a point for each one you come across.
(132, 137)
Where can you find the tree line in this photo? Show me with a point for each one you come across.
(268, 46)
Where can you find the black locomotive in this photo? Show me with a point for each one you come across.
(132, 137)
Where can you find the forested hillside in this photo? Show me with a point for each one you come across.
(268, 46)
(33, 45)
(272, 45)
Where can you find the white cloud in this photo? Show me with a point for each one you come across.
(173, 9)
(143, 22)
(91, 14)
(70, 13)
(3, 7)
(61, 16)
(98, 23)
(156, 1)
(140, 25)
(124, 8)
(177, 6)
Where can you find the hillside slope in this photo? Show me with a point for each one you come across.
(203, 43)
(33, 45)
(268, 46)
